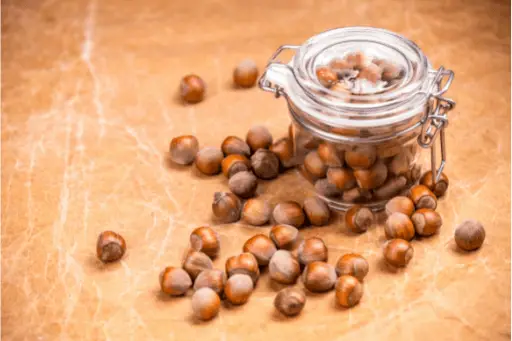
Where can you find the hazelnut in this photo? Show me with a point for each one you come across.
(398, 252)
(342, 178)
(206, 240)
(390, 71)
(358, 219)
(238, 289)
(314, 165)
(317, 211)
(205, 304)
(289, 213)
(326, 76)
(361, 156)
(372, 72)
(192, 89)
(208, 160)
(401, 163)
(413, 174)
(319, 277)
(265, 164)
(195, 262)
(348, 291)
(470, 235)
(390, 188)
(245, 74)
(235, 145)
(439, 189)
(284, 236)
(290, 301)
(399, 225)
(110, 247)
(426, 221)
(183, 149)
(357, 195)
(233, 164)
(311, 250)
(358, 60)
(261, 247)
(352, 264)
(400, 204)
(258, 137)
(174, 281)
(372, 177)
(213, 279)
(327, 189)
(243, 184)
(245, 263)
(283, 268)
(283, 148)
(226, 207)
(423, 197)
(256, 212)
(339, 64)
(330, 155)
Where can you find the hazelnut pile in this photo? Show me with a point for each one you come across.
(356, 174)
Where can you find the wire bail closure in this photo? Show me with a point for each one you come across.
(266, 85)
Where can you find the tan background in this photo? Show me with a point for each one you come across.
(89, 108)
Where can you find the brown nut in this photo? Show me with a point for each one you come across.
(245, 74)
(400, 204)
(256, 212)
(213, 279)
(470, 235)
(283, 148)
(342, 178)
(439, 189)
(331, 156)
(110, 246)
(361, 157)
(398, 252)
(399, 225)
(401, 163)
(265, 164)
(174, 281)
(238, 289)
(258, 137)
(245, 263)
(208, 160)
(206, 240)
(426, 221)
(226, 207)
(371, 72)
(233, 164)
(314, 165)
(235, 145)
(349, 291)
(372, 177)
(283, 268)
(319, 277)
(390, 188)
(326, 189)
(358, 60)
(317, 211)
(339, 64)
(243, 184)
(413, 174)
(423, 197)
(359, 219)
(357, 195)
(290, 301)
(326, 76)
(205, 304)
(261, 247)
(311, 250)
(195, 262)
(352, 264)
(390, 71)
(192, 89)
(183, 149)
(284, 236)
(288, 213)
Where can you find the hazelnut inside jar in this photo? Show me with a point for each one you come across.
(354, 92)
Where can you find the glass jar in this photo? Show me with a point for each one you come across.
(363, 102)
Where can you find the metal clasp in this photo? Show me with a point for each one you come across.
(436, 120)
(266, 85)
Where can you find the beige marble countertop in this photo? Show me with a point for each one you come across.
(89, 107)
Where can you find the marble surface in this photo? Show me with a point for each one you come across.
(89, 107)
